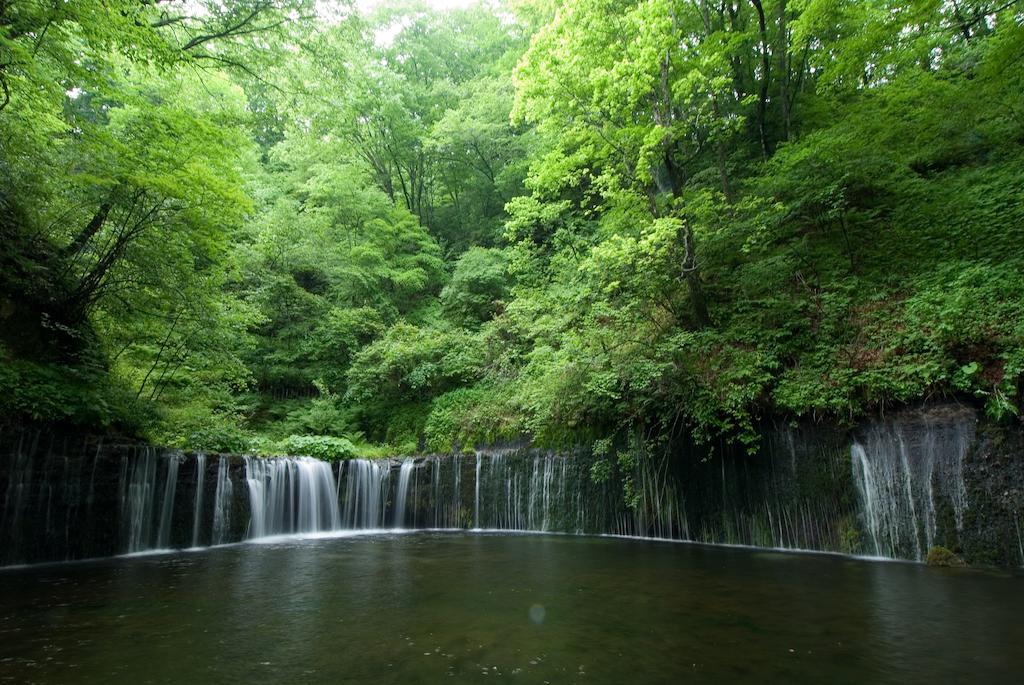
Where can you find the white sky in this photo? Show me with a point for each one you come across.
(366, 5)
(384, 37)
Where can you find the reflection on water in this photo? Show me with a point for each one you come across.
(439, 607)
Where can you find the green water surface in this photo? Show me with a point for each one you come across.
(482, 608)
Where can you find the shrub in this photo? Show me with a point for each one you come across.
(940, 556)
(479, 283)
(325, 447)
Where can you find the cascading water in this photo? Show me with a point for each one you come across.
(402, 493)
(197, 509)
(366, 491)
(1020, 538)
(529, 490)
(906, 473)
(291, 495)
(511, 490)
(222, 503)
(476, 500)
(163, 535)
(456, 510)
(91, 497)
(138, 481)
(19, 484)
(436, 494)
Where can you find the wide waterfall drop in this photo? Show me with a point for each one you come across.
(222, 500)
(893, 488)
(366, 493)
(197, 510)
(291, 495)
(402, 492)
(910, 476)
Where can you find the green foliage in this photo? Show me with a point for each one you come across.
(324, 447)
(80, 395)
(605, 218)
(322, 415)
(468, 417)
(209, 419)
(477, 288)
(399, 425)
(602, 470)
(218, 434)
(410, 363)
(849, 536)
(628, 462)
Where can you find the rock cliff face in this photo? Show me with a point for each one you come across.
(894, 487)
(993, 531)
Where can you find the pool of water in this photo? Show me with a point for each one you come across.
(460, 608)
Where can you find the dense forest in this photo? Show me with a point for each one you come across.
(286, 226)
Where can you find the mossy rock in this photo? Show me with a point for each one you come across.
(850, 541)
(940, 556)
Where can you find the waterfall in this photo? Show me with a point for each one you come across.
(905, 474)
(197, 509)
(476, 500)
(661, 509)
(436, 495)
(541, 493)
(222, 501)
(19, 484)
(1020, 538)
(895, 489)
(366, 490)
(163, 536)
(530, 491)
(91, 497)
(291, 495)
(138, 480)
(402, 493)
(456, 518)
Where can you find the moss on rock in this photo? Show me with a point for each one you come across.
(940, 556)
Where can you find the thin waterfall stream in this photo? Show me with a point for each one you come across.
(222, 503)
(163, 535)
(197, 511)
(402, 492)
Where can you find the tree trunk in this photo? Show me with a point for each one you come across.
(965, 30)
(721, 158)
(723, 171)
(784, 73)
(90, 230)
(766, 70)
(75, 304)
(692, 275)
(160, 354)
